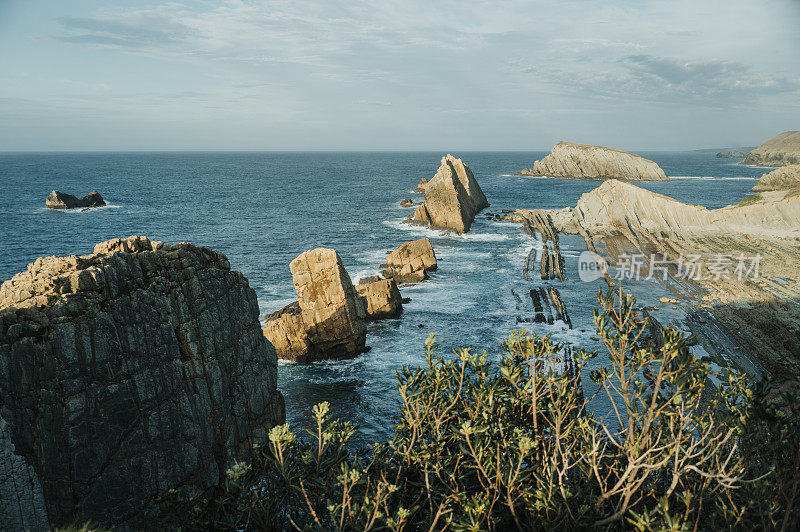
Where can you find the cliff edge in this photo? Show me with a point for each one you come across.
(778, 151)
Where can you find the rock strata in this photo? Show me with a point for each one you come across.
(60, 200)
(411, 261)
(328, 319)
(778, 151)
(583, 161)
(783, 178)
(381, 299)
(452, 198)
(124, 373)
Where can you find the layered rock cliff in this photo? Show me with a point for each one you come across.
(327, 321)
(780, 150)
(583, 161)
(780, 179)
(616, 205)
(452, 197)
(126, 372)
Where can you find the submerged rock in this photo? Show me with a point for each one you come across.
(328, 319)
(778, 151)
(60, 200)
(411, 261)
(783, 178)
(583, 161)
(452, 198)
(381, 299)
(127, 372)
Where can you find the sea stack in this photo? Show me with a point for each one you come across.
(327, 321)
(779, 179)
(452, 198)
(778, 151)
(410, 262)
(583, 161)
(60, 200)
(123, 373)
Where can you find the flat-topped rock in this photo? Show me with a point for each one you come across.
(125, 373)
(584, 161)
(327, 322)
(780, 150)
(452, 198)
(61, 200)
(381, 299)
(783, 178)
(411, 261)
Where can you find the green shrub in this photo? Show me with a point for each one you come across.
(513, 444)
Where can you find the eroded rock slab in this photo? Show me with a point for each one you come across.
(411, 261)
(127, 372)
(328, 319)
(381, 299)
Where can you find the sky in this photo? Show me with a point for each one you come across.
(396, 75)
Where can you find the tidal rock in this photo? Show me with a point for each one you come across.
(407, 203)
(583, 161)
(421, 185)
(124, 373)
(381, 299)
(783, 178)
(452, 198)
(778, 151)
(411, 261)
(60, 200)
(328, 319)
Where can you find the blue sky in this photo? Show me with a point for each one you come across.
(437, 75)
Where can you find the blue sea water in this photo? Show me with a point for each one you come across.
(263, 209)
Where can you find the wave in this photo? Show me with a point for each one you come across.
(714, 178)
(83, 210)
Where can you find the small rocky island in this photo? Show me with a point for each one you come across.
(780, 150)
(583, 161)
(452, 198)
(61, 200)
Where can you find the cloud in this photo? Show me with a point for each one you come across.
(648, 78)
(724, 80)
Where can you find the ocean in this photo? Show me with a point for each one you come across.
(262, 209)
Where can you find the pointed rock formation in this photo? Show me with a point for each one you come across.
(328, 319)
(452, 198)
(783, 178)
(778, 151)
(410, 262)
(60, 200)
(124, 373)
(584, 161)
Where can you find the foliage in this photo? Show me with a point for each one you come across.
(513, 444)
